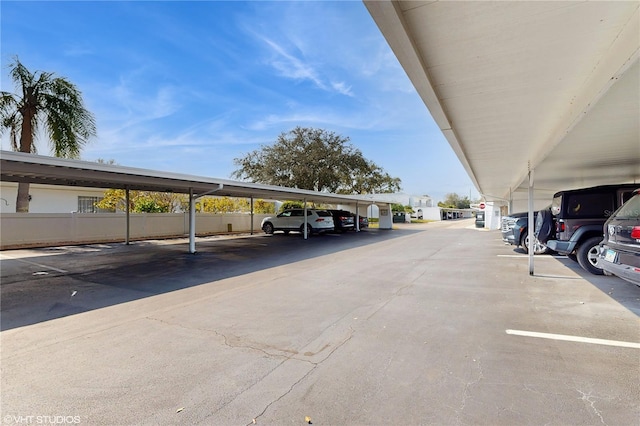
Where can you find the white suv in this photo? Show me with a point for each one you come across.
(293, 220)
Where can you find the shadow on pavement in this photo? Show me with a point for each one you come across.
(44, 284)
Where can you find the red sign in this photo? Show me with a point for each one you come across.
(481, 206)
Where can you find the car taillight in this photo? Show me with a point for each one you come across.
(319, 219)
(560, 227)
(635, 233)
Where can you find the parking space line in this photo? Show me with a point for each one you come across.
(574, 339)
(526, 256)
(62, 271)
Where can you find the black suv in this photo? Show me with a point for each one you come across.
(573, 224)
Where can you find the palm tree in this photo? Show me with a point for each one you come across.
(46, 101)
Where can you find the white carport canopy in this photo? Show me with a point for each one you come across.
(21, 167)
(523, 86)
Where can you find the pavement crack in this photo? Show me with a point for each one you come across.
(589, 398)
(307, 374)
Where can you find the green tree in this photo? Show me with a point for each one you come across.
(455, 201)
(400, 208)
(317, 160)
(232, 205)
(263, 207)
(48, 102)
(141, 201)
(292, 205)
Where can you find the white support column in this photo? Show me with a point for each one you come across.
(252, 215)
(192, 222)
(532, 226)
(357, 219)
(126, 200)
(304, 201)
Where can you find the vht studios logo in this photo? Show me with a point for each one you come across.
(41, 420)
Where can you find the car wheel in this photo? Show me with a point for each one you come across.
(309, 230)
(538, 247)
(543, 225)
(268, 228)
(587, 255)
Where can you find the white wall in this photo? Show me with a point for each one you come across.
(492, 216)
(51, 229)
(431, 213)
(46, 198)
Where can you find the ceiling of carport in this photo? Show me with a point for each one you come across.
(553, 86)
(21, 167)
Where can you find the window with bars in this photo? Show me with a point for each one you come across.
(88, 205)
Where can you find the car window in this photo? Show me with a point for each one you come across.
(626, 195)
(297, 213)
(630, 209)
(555, 205)
(589, 205)
(323, 213)
(285, 213)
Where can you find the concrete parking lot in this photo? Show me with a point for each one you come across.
(435, 323)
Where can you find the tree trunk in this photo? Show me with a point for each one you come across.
(22, 201)
(26, 145)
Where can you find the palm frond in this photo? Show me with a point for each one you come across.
(50, 101)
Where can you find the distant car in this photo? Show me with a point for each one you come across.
(620, 248)
(364, 222)
(318, 221)
(343, 220)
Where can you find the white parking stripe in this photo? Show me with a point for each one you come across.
(526, 256)
(62, 271)
(574, 339)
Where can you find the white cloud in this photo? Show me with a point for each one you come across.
(342, 88)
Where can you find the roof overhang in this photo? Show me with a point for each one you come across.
(552, 87)
(22, 167)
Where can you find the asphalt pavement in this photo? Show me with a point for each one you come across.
(427, 324)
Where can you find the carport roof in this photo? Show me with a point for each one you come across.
(550, 86)
(22, 167)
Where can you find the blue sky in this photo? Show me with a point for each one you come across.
(186, 87)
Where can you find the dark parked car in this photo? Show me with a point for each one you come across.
(573, 224)
(620, 248)
(364, 222)
(343, 220)
(515, 231)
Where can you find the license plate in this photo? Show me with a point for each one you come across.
(610, 256)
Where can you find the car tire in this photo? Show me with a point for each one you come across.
(309, 230)
(268, 228)
(539, 248)
(544, 225)
(587, 255)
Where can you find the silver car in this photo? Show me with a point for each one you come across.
(293, 220)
